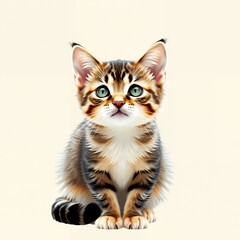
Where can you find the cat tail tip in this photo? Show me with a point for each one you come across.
(69, 212)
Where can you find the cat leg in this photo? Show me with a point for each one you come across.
(133, 216)
(156, 196)
(104, 193)
(137, 212)
(71, 212)
(111, 216)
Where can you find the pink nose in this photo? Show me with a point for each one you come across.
(118, 104)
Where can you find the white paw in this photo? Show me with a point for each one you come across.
(136, 222)
(109, 222)
(149, 214)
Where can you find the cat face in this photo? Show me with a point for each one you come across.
(120, 92)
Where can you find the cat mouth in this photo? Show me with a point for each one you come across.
(119, 113)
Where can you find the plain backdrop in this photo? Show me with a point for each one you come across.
(199, 119)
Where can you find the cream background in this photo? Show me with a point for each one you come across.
(199, 118)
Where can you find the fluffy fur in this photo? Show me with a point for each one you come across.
(113, 170)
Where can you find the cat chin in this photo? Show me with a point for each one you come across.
(122, 121)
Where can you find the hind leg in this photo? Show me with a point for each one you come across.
(149, 214)
(153, 202)
(70, 212)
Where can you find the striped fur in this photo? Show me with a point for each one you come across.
(113, 169)
(67, 211)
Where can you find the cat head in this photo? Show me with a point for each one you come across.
(120, 92)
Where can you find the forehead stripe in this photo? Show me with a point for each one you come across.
(130, 77)
(106, 78)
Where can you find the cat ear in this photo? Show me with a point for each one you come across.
(155, 60)
(83, 64)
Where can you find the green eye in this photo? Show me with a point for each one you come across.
(135, 90)
(102, 92)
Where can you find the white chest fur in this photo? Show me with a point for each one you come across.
(122, 154)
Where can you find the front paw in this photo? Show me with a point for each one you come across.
(136, 222)
(109, 222)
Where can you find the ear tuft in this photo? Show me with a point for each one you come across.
(155, 60)
(73, 44)
(83, 64)
(163, 40)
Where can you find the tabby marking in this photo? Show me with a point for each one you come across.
(113, 170)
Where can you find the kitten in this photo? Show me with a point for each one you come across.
(113, 171)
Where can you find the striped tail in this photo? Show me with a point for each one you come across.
(66, 211)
